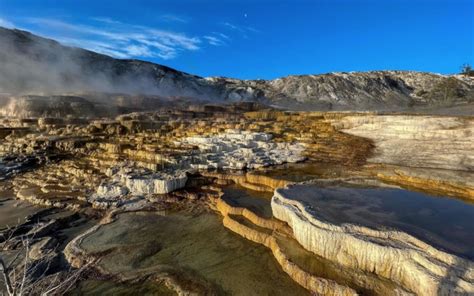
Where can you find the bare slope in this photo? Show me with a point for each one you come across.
(36, 65)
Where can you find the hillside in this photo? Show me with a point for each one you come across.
(32, 65)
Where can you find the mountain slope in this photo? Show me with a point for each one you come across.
(36, 65)
(361, 90)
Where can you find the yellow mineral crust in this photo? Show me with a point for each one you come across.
(457, 184)
(225, 209)
(314, 284)
(251, 181)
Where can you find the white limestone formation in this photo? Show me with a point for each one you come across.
(239, 150)
(138, 182)
(111, 191)
(108, 195)
(126, 182)
(155, 184)
(394, 255)
(416, 141)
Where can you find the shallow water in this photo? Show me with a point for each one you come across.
(110, 288)
(195, 247)
(304, 171)
(14, 212)
(444, 223)
(257, 202)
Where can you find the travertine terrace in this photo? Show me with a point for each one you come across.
(182, 161)
(416, 141)
(414, 264)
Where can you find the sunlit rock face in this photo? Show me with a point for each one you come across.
(416, 141)
(238, 150)
(371, 230)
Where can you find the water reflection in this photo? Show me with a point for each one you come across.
(445, 223)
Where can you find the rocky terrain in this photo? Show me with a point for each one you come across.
(39, 74)
(148, 193)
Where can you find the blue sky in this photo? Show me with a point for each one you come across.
(261, 39)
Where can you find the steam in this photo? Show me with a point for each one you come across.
(31, 64)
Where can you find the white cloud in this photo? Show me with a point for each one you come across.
(252, 29)
(97, 46)
(106, 20)
(118, 39)
(175, 39)
(243, 30)
(233, 27)
(139, 50)
(212, 40)
(121, 40)
(221, 35)
(5, 23)
(174, 18)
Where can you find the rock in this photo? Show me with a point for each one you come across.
(44, 228)
(43, 248)
(314, 284)
(249, 180)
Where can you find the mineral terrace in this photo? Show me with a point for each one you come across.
(244, 200)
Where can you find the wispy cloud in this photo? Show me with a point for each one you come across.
(174, 18)
(5, 23)
(118, 39)
(97, 46)
(213, 40)
(243, 30)
(222, 35)
(121, 40)
(106, 20)
(232, 26)
(252, 29)
(217, 39)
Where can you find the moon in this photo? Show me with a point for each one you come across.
(245, 15)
